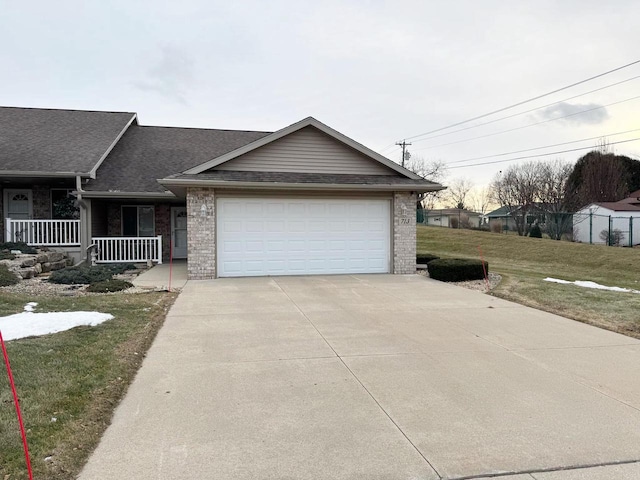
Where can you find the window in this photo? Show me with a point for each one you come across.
(138, 221)
(63, 204)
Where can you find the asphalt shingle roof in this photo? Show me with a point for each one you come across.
(291, 177)
(42, 140)
(145, 154)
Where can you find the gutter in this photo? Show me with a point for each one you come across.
(159, 195)
(301, 186)
(30, 173)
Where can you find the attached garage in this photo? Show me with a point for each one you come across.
(305, 200)
(295, 236)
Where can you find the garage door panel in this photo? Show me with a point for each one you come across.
(297, 237)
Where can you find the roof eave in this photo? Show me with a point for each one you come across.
(176, 182)
(116, 195)
(32, 173)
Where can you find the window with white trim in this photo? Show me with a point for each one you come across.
(138, 221)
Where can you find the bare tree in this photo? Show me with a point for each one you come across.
(458, 191)
(433, 170)
(480, 199)
(517, 189)
(552, 199)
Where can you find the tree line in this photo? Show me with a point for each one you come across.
(551, 190)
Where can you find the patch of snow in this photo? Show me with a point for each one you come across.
(588, 284)
(29, 307)
(30, 324)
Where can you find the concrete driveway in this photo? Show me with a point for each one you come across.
(373, 377)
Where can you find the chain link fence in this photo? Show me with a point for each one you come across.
(606, 229)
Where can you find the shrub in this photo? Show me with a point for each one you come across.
(23, 247)
(424, 258)
(81, 275)
(113, 285)
(118, 268)
(615, 237)
(453, 222)
(535, 231)
(456, 269)
(7, 277)
(495, 226)
(6, 255)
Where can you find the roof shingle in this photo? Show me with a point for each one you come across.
(71, 141)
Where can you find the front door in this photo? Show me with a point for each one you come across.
(179, 232)
(19, 206)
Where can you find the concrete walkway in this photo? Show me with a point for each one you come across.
(373, 377)
(158, 276)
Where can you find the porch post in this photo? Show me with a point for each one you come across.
(159, 249)
(7, 228)
(85, 227)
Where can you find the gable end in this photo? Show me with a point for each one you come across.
(307, 150)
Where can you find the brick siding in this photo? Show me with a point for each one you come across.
(404, 232)
(201, 229)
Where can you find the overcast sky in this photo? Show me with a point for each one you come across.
(378, 71)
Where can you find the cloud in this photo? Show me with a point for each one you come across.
(170, 76)
(593, 113)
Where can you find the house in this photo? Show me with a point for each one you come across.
(597, 222)
(555, 224)
(303, 200)
(451, 217)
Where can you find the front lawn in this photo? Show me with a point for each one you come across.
(524, 262)
(70, 382)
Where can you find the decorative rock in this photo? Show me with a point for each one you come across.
(42, 258)
(46, 267)
(28, 262)
(37, 268)
(58, 264)
(26, 273)
(70, 262)
(55, 257)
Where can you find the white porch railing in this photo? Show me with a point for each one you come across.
(128, 249)
(43, 233)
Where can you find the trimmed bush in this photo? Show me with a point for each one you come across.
(113, 285)
(118, 268)
(81, 275)
(424, 258)
(535, 231)
(456, 269)
(23, 247)
(7, 277)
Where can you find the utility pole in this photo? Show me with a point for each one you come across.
(403, 144)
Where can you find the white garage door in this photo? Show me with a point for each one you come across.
(277, 236)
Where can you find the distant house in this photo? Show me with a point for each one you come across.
(451, 217)
(623, 216)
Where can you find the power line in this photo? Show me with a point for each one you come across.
(524, 101)
(526, 111)
(528, 125)
(546, 146)
(541, 155)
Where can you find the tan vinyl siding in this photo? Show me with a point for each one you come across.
(307, 150)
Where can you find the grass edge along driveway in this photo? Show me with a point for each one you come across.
(69, 383)
(524, 262)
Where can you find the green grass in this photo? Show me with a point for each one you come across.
(76, 377)
(524, 262)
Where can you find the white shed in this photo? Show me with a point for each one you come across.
(593, 223)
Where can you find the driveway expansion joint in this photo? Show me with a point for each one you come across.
(364, 387)
(532, 472)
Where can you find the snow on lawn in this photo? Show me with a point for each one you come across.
(587, 284)
(30, 324)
